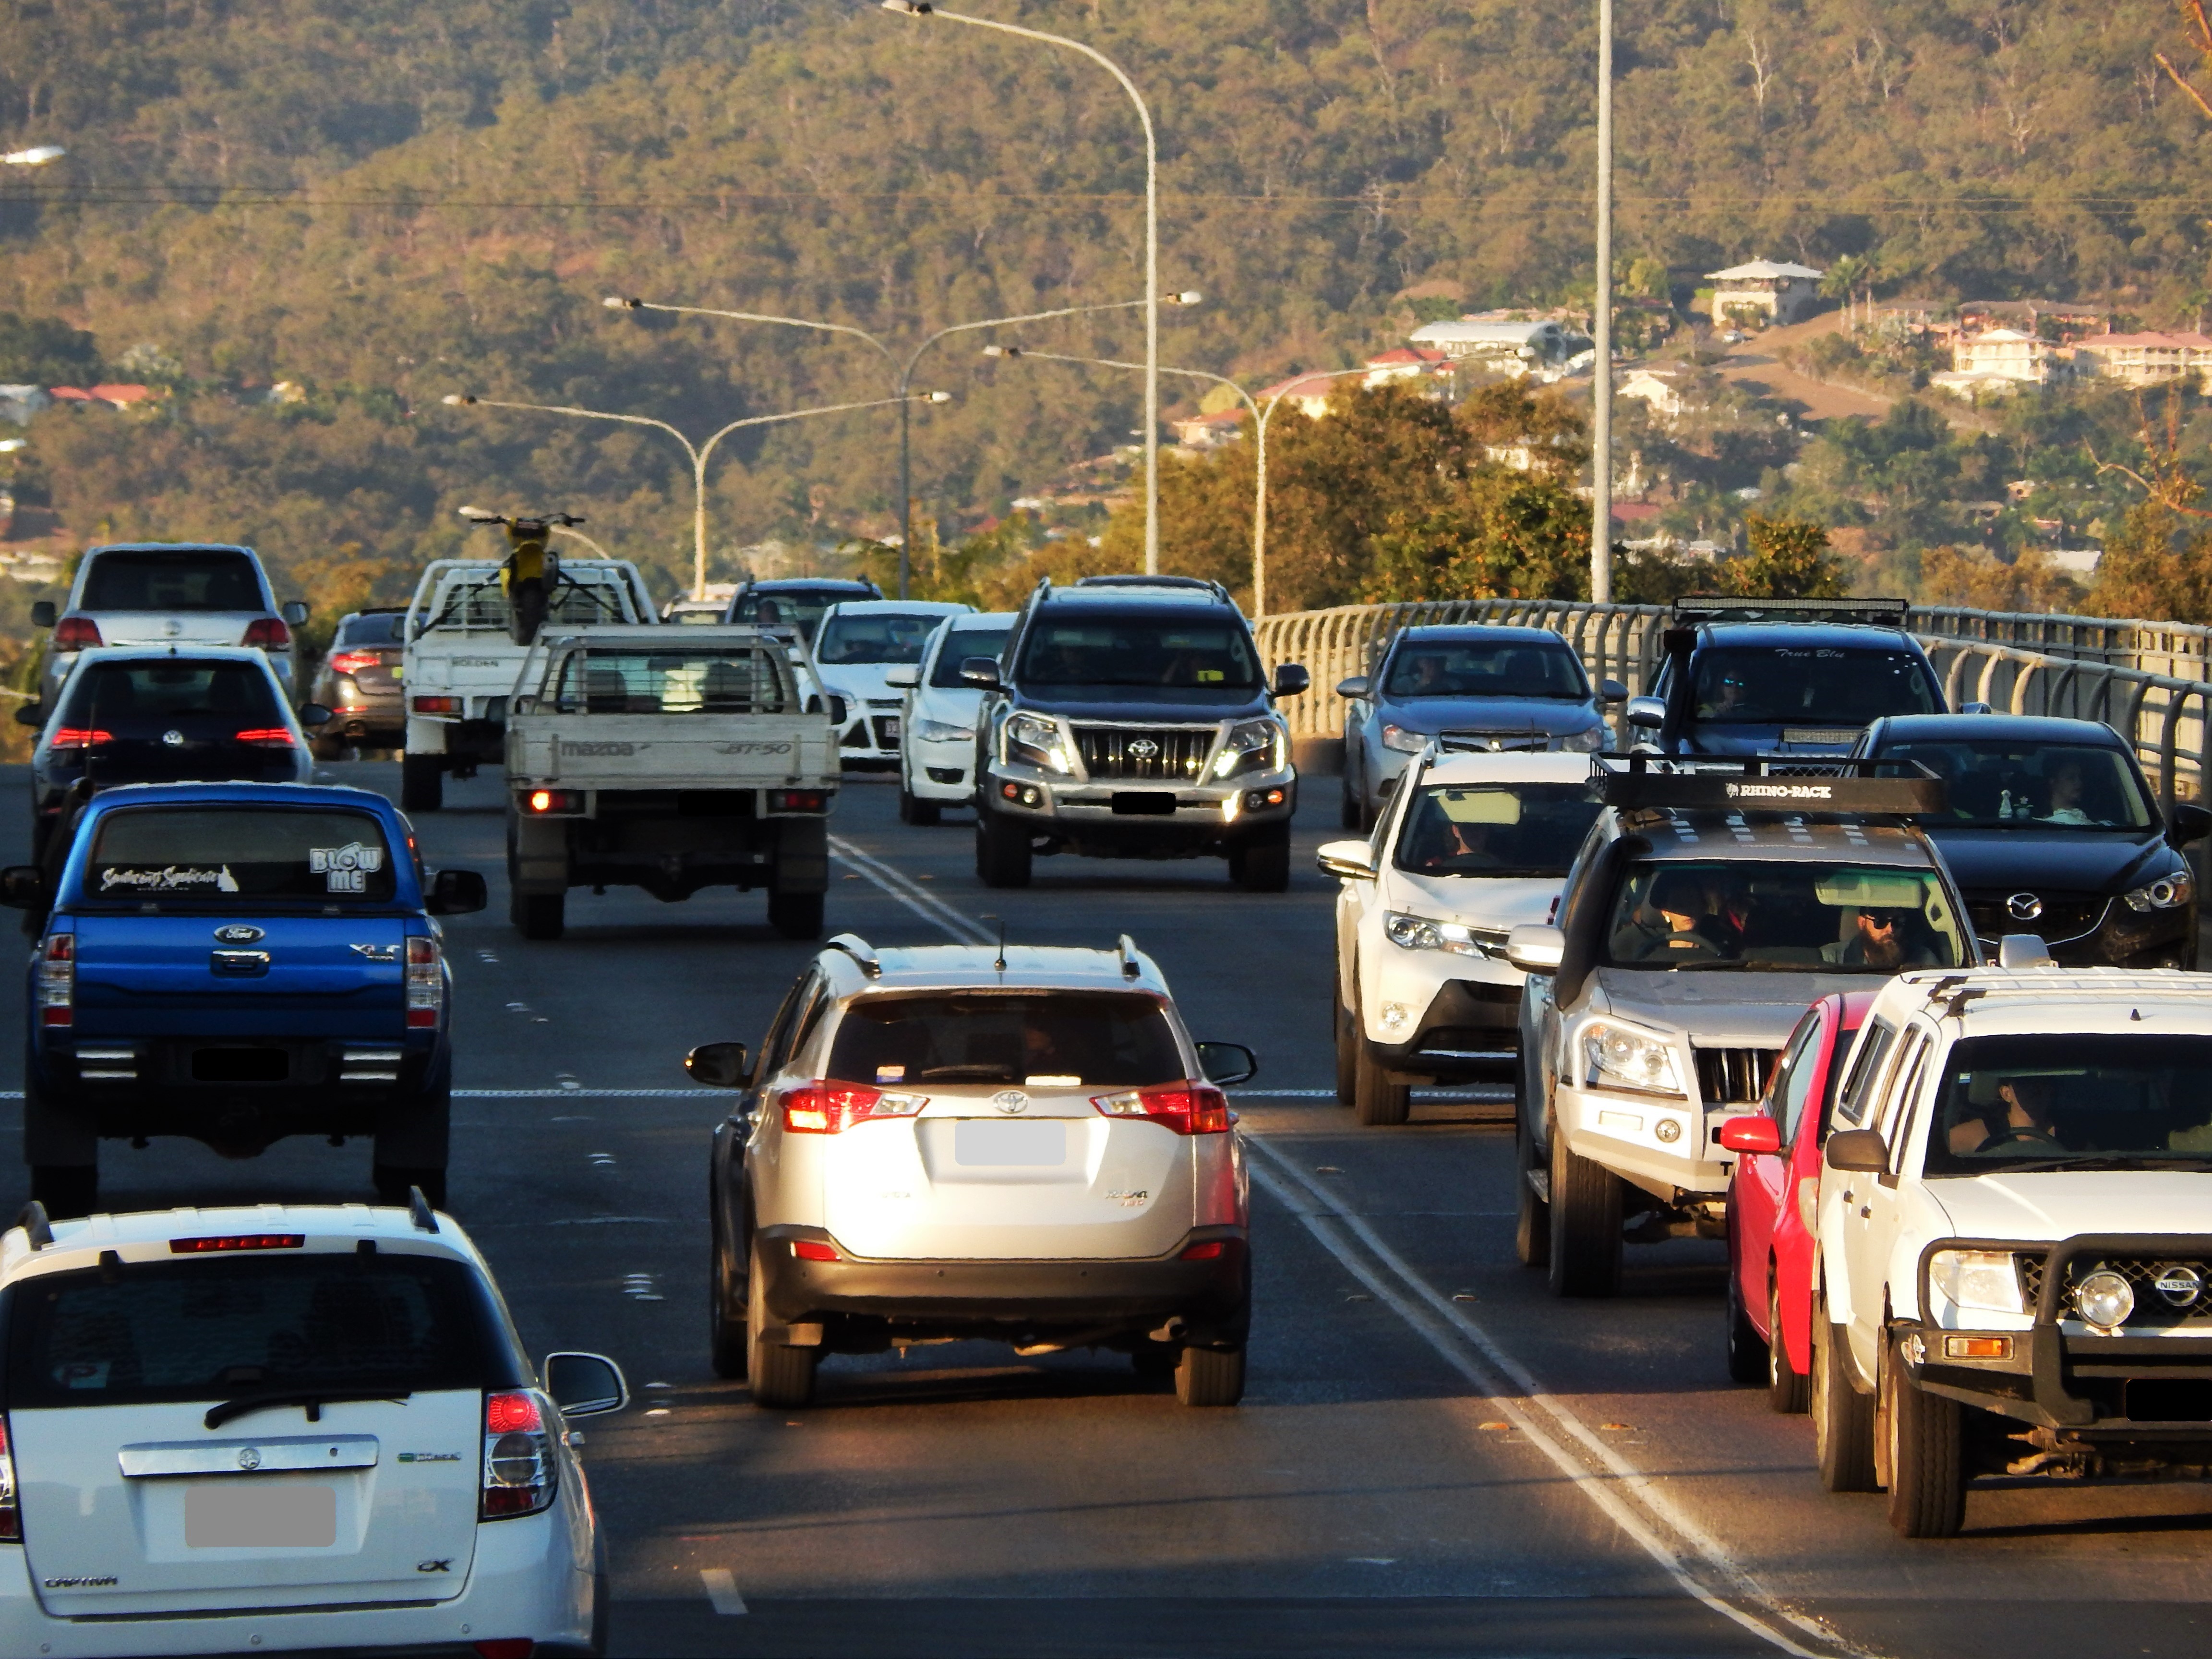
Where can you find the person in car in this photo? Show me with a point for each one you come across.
(2067, 794)
(2025, 1118)
(1682, 900)
(1888, 938)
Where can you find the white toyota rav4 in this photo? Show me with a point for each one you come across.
(267, 1429)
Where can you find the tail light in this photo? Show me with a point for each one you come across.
(11, 1514)
(555, 800)
(518, 1458)
(269, 633)
(426, 983)
(829, 1108)
(79, 737)
(75, 633)
(352, 662)
(57, 980)
(1194, 1108)
(813, 1249)
(437, 705)
(798, 801)
(266, 736)
(506, 1647)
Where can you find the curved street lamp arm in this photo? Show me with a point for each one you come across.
(762, 317)
(1005, 322)
(589, 415)
(1116, 362)
(706, 448)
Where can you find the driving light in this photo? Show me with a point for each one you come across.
(2105, 1299)
(1622, 1057)
(2167, 893)
(1413, 932)
(1405, 742)
(1668, 1129)
(1983, 1279)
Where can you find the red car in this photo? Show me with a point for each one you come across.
(1773, 1193)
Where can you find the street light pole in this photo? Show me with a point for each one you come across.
(1601, 320)
(1151, 365)
(700, 454)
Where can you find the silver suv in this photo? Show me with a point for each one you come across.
(945, 1142)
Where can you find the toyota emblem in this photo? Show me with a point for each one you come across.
(174, 739)
(249, 1457)
(2180, 1285)
(1011, 1101)
(1144, 747)
(2024, 907)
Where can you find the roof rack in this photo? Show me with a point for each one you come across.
(32, 1218)
(1187, 584)
(1131, 968)
(1737, 608)
(861, 952)
(1763, 783)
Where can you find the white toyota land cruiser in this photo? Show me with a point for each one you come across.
(2016, 1261)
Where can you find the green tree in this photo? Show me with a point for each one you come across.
(1790, 559)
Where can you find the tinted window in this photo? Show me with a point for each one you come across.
(2072, 1098)
(880, 636)
(1495, 829)
(1866, 1065)
(218, 855)
(2069, 785)
(1193, 654)
(987, 1037)
(1816, 686)
(960, 646)
(1810, 918)
(121, 696)
(215, 1329)
(1487, 668)
(385, 628)
(793, 607)
(1793, 1079)
(734, 681)
(188, 580)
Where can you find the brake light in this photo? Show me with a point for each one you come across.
(506, 1647)
(555, 800)
(1210, 1250)
(518, 1458)
(1194, 1108)
(829, 1108)
(75, 633)
(269, 633)
(798, 801)
(352, 662)
(238, 1242)
(11, 1514)
(266, 736)
(813, 1249)
(57, 980)
(79, 737)
(426, 983)
(437, 705)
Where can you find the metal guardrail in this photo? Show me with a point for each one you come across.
(2182, 650)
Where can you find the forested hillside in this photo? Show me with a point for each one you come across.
(387, 202)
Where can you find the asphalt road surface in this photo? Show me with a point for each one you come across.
(1434, 1456)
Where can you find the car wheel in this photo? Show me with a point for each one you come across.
(727, 1338)
(1746, 1352)
(795, 915)
(1532, 1226)
(1347, 1050)
(1156, 1362)
(539, 915)
(1785, 1385)
(1002, 849)
(603, 1596)
(915, 810)
(421, 783)
(1263, 865)
(1586, 1222)
(782, 1376)
(1348, 812)
(1842, 1418)
(1210, 1376)
(67, 1190)
(1925, 1440)
(1376, 1100)
(395, 1183)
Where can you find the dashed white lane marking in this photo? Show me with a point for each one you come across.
(722, 1591)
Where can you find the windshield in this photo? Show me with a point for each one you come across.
(1154, 650)
(878, 636)
(2081, 785)
(123, 698)
(736, 680)
(963, 644)
(1818, 685)
(1074, 1038)
(1484, 668)
(189, 579)
(1495, 829)
(216, 1327)
(2033, 1099)
(793, 607)
(214, 856)
(1811, 918)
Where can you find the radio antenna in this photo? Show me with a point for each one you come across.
(1001, 964)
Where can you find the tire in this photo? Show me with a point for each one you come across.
(1376, 1100)
(539, 915)
(1532, 1226)
(603, 1596)
(1786, 1389)
(781, 1377)
(1927, 1457)
(68, 1190)
(393, 1180)
(1347, 1051)
(1348, 812)
(1264, 866)
(1002, 849)
(795, 915)
(421, 783)
(915, 810)
(1155, 1362)
(727, 1338)
(1210, 1376)
(1842, 1418)
(1586, 1220)
(1747, 1352)
(527, 600)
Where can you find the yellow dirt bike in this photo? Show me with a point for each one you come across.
(533, 569)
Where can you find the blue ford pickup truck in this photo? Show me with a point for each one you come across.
(237, 962)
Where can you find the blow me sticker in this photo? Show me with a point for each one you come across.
(345, 869)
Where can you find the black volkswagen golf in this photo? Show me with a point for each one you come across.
(2053, 829)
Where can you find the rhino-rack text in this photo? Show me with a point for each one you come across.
(1781, 792)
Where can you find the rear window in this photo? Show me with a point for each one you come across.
(1484, 668)
(878, 636)
(1816, 686)
(383, 628)
(469, 605)
(989, 1036)
(1183, 652)
(795, 607)
(739, 680)
(218, 855)
(218, 1328)
(962, 645)
(190, 579)
(119, 696)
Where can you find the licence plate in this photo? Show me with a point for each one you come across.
(260, 1514)
(1820, 734)
(985, 1141)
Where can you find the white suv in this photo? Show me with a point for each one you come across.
(275, 1428)
(2015, 1268)
(945, 1142)
(937, 751)
(860, 646)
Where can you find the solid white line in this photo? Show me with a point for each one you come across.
(722, 1591)
(897, 883)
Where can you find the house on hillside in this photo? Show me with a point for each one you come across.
(2144, 359)
(1508, 348)
(1660, 387)
(1999, 360)
(1309, 392)
(2069, 318)
(1409, 363)
(1781, 292)
(1199, 435)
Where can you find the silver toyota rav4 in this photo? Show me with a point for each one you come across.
(946, 1141)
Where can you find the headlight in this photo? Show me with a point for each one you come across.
(1585, 743)
(1622, 1057)
(1985, 1280)
(1253, 746)
(939, 731)
(1405, 742)
(1036, 740)
(2167, 893)
(1420, 933)
(2105, 1299)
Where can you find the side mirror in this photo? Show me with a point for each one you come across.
(34, 714)
(294, 611)
(982, 672)
(23, 887)
(42, 613)
(719, 1065)
(458, 893)
(1291, 680)
(585, 1384)
(902, 678)
(1857, 1152)
(2189, 823)
(315, 713)
(1650, 713)
(1226, 1062)
(1352, 860)
(1354, 687)
(1612, 691)
(1752, 1135)
(1535, 948)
